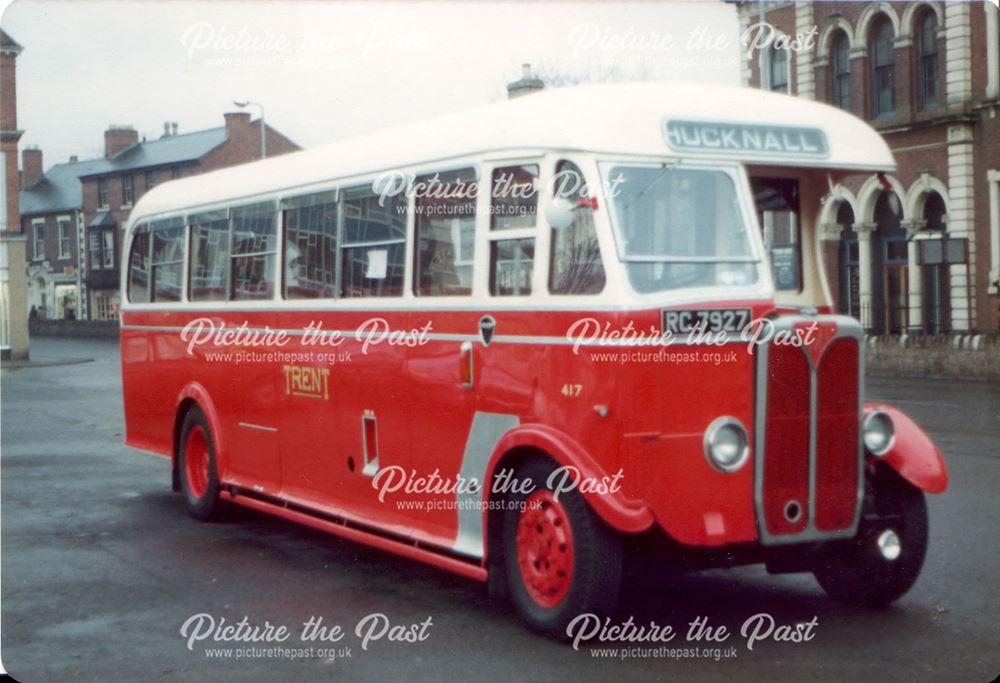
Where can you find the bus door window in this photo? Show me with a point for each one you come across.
(513, 213)
(777, 201)
(575, 266)
(445, 218)
(138, 266)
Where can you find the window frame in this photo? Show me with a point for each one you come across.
(128, 190)
(38, 239)
(884, 70)
(61, 223)
(840, 45)
(925, 56)
(495, 235)
(477, 180)
(103, 193)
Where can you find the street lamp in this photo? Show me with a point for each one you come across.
(263, 138)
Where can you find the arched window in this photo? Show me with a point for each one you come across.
(937, 295)
(889, 259)
(927, 61)
(777, 61)
(840, 61)
(883, 76)
(849, 301)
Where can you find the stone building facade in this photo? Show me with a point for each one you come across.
(917, 251)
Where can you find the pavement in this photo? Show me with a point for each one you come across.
(102, 566)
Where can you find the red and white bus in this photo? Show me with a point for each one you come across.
(522, 342)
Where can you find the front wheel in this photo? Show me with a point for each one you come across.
(560, 559)
(196, 465)
(883, 561)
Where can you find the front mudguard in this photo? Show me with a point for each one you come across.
(913, 455)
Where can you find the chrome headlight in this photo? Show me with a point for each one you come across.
(879, 433)
(727, 445)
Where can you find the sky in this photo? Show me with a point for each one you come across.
(326, 71)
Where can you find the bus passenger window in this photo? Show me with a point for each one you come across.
(374, 251)
(310, 246)
(777, 202)
(209, 269)
(445, 227)
(575, 266)
(514, 197)
(168, 259)
(253, 252)
(138, 266)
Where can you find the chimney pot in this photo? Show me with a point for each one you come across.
(526, 70)
(173, 128)
(73, 159)
(166, 128)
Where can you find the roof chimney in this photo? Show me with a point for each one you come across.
(173, 128)
(526, 85)
(73, 159)
(166, 129)
(31, 166)
(237, 123)
(117, 138)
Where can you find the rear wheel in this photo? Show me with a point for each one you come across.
(883, 561)
(560, 558)
(196, 466)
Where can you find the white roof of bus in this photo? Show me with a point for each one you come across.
(621, 118)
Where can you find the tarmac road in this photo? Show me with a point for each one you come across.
(101, 567)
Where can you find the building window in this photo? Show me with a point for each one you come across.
(151, 179)
(175, 172)
(109, 248)
(841, 63)
(849, 280)
(936, 291)
(101, 244)
(102, 193)
(106, 306)
(883, 69)
(38, 239)
(927, 61)
(64, 237)
(889, 269)
(777, 69)
(127, 190)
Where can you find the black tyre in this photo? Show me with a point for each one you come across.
(560, 559)
(883, 561)
(196, 466)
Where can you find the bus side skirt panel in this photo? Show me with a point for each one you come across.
(913, 455)
(617, 511)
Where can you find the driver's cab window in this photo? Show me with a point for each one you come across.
(777, 201)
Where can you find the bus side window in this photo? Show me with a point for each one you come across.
(373, 253)
(167, 265)
(445, 207)
(138, 266)
(514, 206)
(575, 265)
(253, 251)
(310, 246)
(209, 264)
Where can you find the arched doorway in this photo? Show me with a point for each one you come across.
(889, 261)
(849, 277)
(937, 295)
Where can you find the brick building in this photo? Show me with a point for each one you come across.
(918, 251)
(91, 200)
(13, 311)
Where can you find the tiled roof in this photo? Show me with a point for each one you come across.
(60, 189)
(169, 150)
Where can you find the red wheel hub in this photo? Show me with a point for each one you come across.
(545, 549)
(196, 461)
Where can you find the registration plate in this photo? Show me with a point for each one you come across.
(707, 320)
